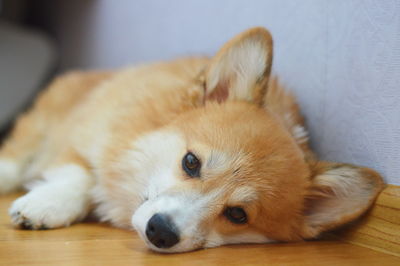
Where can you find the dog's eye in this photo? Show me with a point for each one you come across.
(236, 215)
(191, 165)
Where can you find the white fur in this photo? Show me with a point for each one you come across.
(147, 170)
(350, 193)
(186, 209)
(156, 157)
(300, 134)
(243, 194)
(215, 239)
(59, 200)
(218, 162)
(9, 176)
(243, 64)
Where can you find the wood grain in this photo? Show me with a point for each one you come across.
(380, 228)
(99, 244)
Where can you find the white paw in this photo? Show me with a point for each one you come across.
(47, 207)
(9, 176)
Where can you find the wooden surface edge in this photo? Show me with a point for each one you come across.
(379, 228)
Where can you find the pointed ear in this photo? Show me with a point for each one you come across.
(339, 194)
(241, 69)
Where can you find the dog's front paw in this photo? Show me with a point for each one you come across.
(9, 179)
(34, 213)
(41, 209)
(23, 222)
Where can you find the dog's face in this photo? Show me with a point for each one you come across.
(229, 172)
(221, 174)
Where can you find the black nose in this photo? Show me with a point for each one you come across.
(161, 231)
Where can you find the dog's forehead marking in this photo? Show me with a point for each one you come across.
(243, 194)
(217, 162)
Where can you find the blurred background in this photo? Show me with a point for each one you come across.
(341, 58)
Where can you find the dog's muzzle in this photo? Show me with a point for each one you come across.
(161, 231)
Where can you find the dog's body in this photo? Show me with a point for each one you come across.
(193, 153)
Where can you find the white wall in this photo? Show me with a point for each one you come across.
(342, 58)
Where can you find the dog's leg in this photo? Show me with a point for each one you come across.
(59, 199)
(19, 149)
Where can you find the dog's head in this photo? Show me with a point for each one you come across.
(229, 172)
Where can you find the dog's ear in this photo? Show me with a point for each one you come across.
(339, 193)
(241, 69)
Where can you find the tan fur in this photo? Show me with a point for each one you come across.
(51, 107)
(245, 127)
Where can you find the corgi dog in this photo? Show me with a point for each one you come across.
(192, 153)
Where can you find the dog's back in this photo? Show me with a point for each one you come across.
(79, 108)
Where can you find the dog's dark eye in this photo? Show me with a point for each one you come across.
(236, 215)
(191, 165)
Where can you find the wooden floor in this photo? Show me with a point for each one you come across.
(99, 244)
